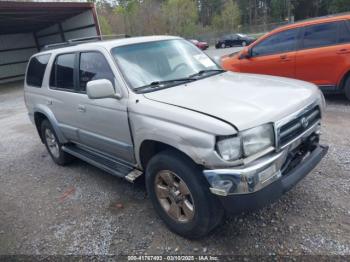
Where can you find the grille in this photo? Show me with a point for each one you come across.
(298, 125)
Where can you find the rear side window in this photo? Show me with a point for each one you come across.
(93, 66)
(279, 43)
(36, 70)
(320, 35)
(344, 33)
(62, 74)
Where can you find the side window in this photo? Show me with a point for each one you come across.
(36, 70)
(62, 73)
(344, 32)
(279, 43)
(93, 66)
(320, 35)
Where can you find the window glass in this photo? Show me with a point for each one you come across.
(36, 70)
(145, 63)
(320, 35)
(93, 66)
(344, 34)
(62, 75)
(278, 43)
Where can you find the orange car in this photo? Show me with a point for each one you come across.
(316, 50)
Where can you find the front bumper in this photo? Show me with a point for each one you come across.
(253, 187)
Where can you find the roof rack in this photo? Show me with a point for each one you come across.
(77, 41)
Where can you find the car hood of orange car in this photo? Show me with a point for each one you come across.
(244, 100)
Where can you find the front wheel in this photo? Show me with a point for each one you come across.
(53, 146)
(180, 195)
(347, 88)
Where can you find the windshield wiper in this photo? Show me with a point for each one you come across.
(165, 82)
(202, 72)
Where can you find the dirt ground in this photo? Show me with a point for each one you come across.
(47, 209)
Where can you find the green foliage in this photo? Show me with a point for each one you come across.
(189, 17)
(180, 17)
(105, 26)
(278, 10)
(337, 6)
(229, 19)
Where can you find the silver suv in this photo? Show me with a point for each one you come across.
(208, 142)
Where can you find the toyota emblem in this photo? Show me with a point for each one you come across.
(304, 122)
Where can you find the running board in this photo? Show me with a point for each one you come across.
(112, 166)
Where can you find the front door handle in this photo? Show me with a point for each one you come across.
(81, 108)
(49, 102)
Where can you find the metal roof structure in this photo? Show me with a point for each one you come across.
(26, 27)
(26, 17)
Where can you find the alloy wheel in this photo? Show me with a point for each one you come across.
(174, 196)
(52, 143)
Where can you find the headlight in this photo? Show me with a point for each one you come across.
(247, 143)
(229, 148)
(257, 139)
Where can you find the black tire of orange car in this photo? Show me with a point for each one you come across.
(61, 158)
(347, 88)
(208, 211)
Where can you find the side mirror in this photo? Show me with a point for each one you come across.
(246, 53)
(103, 88)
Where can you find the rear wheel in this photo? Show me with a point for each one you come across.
(347, 88)
(52, 144)
(181, 196)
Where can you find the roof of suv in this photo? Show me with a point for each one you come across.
(108, 44)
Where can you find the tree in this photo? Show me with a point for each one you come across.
(207, 9)
(180, 17)
(229, 18)
(105, 26)
(337, 6)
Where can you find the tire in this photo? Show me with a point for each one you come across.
(244, 43)
(347, 88)
(53, 146)
(207, 210)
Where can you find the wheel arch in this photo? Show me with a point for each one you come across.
(42, 113)
(341, 83)
(150, 147)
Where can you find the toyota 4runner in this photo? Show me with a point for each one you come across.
(207, 141)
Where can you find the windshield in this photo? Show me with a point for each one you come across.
(165, 61)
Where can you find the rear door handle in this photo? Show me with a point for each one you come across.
(81, 108)
(343, 51)
(284, 58)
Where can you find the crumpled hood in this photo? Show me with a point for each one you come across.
(244, 100)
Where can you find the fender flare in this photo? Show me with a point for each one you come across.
(175, 143)
(343, 78)
(53, 121)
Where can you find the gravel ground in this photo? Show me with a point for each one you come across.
(47, 209)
